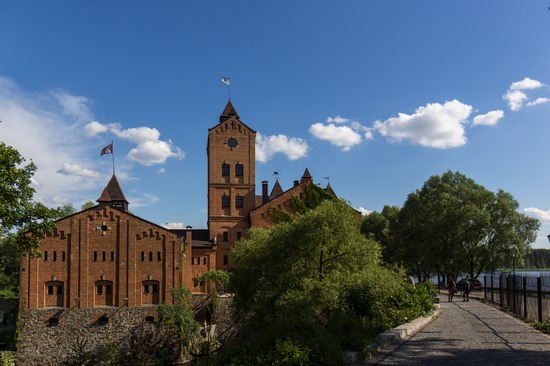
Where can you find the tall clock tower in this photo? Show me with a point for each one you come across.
(231, 182)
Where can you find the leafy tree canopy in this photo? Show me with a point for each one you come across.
(87, 204)
(454, 224)
(18, 211)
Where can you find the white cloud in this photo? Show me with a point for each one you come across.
(267, 146)
(538, 101)
(75, 169)
(174, 225)
(341, 136)
(74, 107)
(435, 125)
(364, 211)
(488, 119)
(144, 200)
(542, 216)
(515, 95)
(150, 150)
(337, 119)
(161, 171)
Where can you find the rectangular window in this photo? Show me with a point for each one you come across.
(150, 256)
(239, 201)
(159, 257)
(225, 170)
(95, 256)
(225, 259)
(60, 289)
(99, 290)
(46, 256)
(204, 260)
(63, 256)
(54, 256)
(50, 290)
(145, 289)
(225, 201)
(239, 235)
(142, 256)
(112, 256)
(108, 289)
(225, 236)
(104, 256)
(239, 170)
(192, 260)
(155, 289)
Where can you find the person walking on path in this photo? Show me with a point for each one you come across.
(467, 285)
(451, 287)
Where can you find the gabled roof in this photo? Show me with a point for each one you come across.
(306, 174)
(277, 190)
(228, 112)
(330, 190)
(112, 192)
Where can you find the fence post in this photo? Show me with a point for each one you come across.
(485, 287)
(525, 296)
(500, 293)
(492, 288)
(539, 298)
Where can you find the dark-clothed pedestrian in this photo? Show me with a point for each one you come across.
(451, 287)
(467, 285)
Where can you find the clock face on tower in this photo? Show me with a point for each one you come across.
(232, 142)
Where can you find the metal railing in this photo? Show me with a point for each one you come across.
(524, 295)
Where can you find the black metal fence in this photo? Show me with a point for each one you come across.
(525, 295)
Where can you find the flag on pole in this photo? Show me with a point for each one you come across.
(107, 149)
(226, 81)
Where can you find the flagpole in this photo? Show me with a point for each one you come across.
(113, 153)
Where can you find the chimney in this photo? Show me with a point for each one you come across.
(264, 192)
(296, 183)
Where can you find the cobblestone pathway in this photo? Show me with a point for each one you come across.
(472, 333)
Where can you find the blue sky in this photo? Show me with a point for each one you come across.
(376, 95)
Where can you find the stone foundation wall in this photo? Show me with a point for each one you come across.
(45, 344)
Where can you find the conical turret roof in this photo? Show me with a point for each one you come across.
(228, 112)
(277, 190)
(113, 195)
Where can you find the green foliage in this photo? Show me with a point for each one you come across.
(213, 279)
(381, 225)
(66, 210)
(17, 209)
(542, 327)
(305, 280)
(286, 353)
(86, 205)
(180, 318)
(9, 265)
(7, 358)
(452, 218)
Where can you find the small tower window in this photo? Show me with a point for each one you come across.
(225, 236)
(150, 256)
(159, 257)
(54, 255)
(112, 256)
(103, 256)
(239, 170)
(239, 201)
(95, 256)
(142, 256)
(239, 235)
(225, 170)
(225, 259)
(225, 201)
(63, 255)
(45, 256)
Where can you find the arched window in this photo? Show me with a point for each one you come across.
(225, 200)
(225, 170)
(239, 170)
(239, 201)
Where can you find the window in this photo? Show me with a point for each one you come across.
(225, 201)
(103, 320)
(192, 260)
(155, 289)
(63, 256)
(225, 259)
(145, 289)
(99, 290)
(108, 289)
(149, 319)
(239, 235)
(103, 256)
(225, 236)
(204, 260)
(239, 201)
(46, 255)
(159, 257)
(150, 256)
(112, 256)
(54, 256)
(95, 256)
(52, 322)
(60, 289)
(225, 170)
(239, 170)
(142, 256)
(50, 290)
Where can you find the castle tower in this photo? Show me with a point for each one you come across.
(231, 182)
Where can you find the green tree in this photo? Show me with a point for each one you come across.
(18, 211)
(9, 263)
(66, 210)
(453, 224)
(381, 226)
(86, 205)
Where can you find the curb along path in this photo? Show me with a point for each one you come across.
(472, 333)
